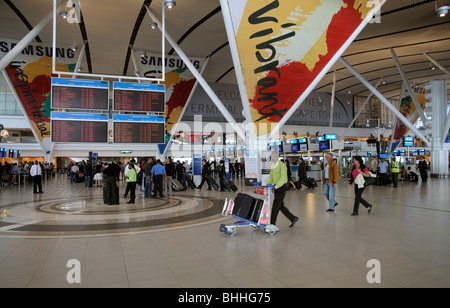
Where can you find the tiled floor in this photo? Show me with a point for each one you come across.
(408, 232)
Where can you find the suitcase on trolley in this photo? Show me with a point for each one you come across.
(212, 182)
(243, 205)
(256, 209)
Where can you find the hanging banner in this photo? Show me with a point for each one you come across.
(179, 81)
(286, 46)
(408, 109)
(31, 75)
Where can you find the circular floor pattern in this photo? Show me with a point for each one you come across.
(88, 216)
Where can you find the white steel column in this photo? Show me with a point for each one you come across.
(408, 87)
(385, 101)
(200, 78)
(333, 96)
(80, 58)
(437, 93)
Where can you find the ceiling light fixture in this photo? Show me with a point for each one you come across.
(443, 11)
(73, 48)
(63, 14)
(170, 4)
(153, 25)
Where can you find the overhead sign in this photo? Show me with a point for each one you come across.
(179, 81)
(284, 48)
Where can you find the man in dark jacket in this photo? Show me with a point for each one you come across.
(206, 171)
(302, 170)
(423, 167)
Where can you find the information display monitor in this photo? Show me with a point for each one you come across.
(139, 97)
(79, 127)
(139, 129)
(79, 94)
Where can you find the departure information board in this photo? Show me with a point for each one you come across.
(80, 94)
(134, 132)
(139, 97)
(139, 129)
(79, 127)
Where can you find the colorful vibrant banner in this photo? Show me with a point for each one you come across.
(179, 81)
(31, 73)
(285, 45)
(408, 109)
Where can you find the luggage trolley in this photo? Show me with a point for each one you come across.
(260, 217)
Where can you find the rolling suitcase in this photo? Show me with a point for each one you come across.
(298, 185)
(212, 182)
(313, 182)
(243, 205)
(177, 185)
(107, 195)
(232, 185)
(190, 183)
(225, 185)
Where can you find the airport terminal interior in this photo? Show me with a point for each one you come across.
(96, 97)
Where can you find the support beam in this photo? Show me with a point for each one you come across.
(12, 54)
(360, 111)
(385, 101)
(408, 87)
(227, 115)
(333, 96)
(135, 64)
(80, 59)
(435, 62)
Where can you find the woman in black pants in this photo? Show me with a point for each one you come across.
(359, 168)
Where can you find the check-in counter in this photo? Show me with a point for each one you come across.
(315, 172)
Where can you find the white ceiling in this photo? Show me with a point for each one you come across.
(410, 27)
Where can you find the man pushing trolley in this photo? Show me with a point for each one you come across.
(258, 213)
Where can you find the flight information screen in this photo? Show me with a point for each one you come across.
(139, 132)
(80, 94)
(66, 131)
(139, 97)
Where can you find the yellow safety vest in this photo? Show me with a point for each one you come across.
(395, 167)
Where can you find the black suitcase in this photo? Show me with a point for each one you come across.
(225, 184)
(258, 205)
(243, 205)
(212, 182)
(107, 195)
(309, 183)
(298, 185)
(190, 183)
(232, 185)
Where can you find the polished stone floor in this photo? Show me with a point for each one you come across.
(176, 242)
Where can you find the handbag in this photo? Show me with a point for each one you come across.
(369, 180)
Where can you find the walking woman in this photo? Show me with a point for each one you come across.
(356, 177)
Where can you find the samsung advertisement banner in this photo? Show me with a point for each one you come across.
(315, 111)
